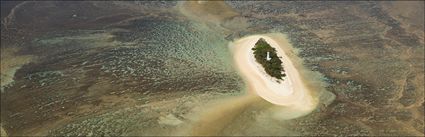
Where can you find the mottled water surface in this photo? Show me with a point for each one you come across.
(160, 68)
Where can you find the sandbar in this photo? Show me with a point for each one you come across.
(292, 92)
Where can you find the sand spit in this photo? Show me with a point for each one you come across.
(3, 132)
(221, 114)
(214, 12)
(10, 63)
(290, 93)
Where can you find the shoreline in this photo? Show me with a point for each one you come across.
(292, 92)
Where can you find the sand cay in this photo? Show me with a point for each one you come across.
(282, 101)
(292, 92)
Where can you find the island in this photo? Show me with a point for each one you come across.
(273, 77)
(267, 57)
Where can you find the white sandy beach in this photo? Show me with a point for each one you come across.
(292, 92)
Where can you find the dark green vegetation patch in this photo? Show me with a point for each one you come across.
(273, 67)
